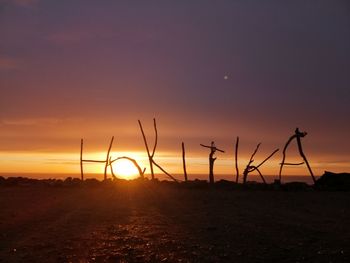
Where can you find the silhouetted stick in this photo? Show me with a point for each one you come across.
(250, 168)
(245, 174)
(256, 150)
(210, 147)
(302, 134)
(110, 164)
(156, 137)
(141, 172)
(253, 168)
(93, 161)
(262, 177)
(246, 170)
(256, 167)
(213, 149)
(150, 157)
(173, 178)
(184, 161)
(81, 160)
(284, 156)
(107, 158)
(236, 159)
(293, 163)
(211, 167)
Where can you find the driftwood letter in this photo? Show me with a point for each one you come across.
(251, 168)
(213, 149)
(151, 155)
(106, 162)
(297, 135)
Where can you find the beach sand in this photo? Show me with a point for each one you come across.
(158, 222)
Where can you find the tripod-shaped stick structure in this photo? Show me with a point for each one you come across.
(298, 135)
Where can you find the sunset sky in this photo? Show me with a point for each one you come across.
(206, 70)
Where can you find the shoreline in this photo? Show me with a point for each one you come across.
(161, 177)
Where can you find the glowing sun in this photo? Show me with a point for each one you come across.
(125, 169)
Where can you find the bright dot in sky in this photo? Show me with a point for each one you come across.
(125, 169)
(226, 77)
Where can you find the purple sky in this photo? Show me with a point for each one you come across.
(92, 68)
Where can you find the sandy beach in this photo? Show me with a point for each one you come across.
(163, 222)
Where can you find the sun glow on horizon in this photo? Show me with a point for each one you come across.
(125, 169)
(61, 164)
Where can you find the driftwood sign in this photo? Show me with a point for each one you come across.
(108, 162)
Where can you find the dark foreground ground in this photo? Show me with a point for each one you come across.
(153, 222)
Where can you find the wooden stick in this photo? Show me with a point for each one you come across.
(299, 135)
(255, 151)
(267, 158)
(173, 178)
(293, 163)
(107, 158)
(211, 167)
(150, 157)
(110, 164)
(211, 147)
(253, 168)
(246, 170)
(81, 160)
(284, 156)
(262, 177)
(249, 168)
(184, 161)
(93, 161)
(156, 139)
(236, 159)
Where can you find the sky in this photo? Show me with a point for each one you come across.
(206, 70)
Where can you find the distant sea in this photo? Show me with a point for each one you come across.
(268, 178)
